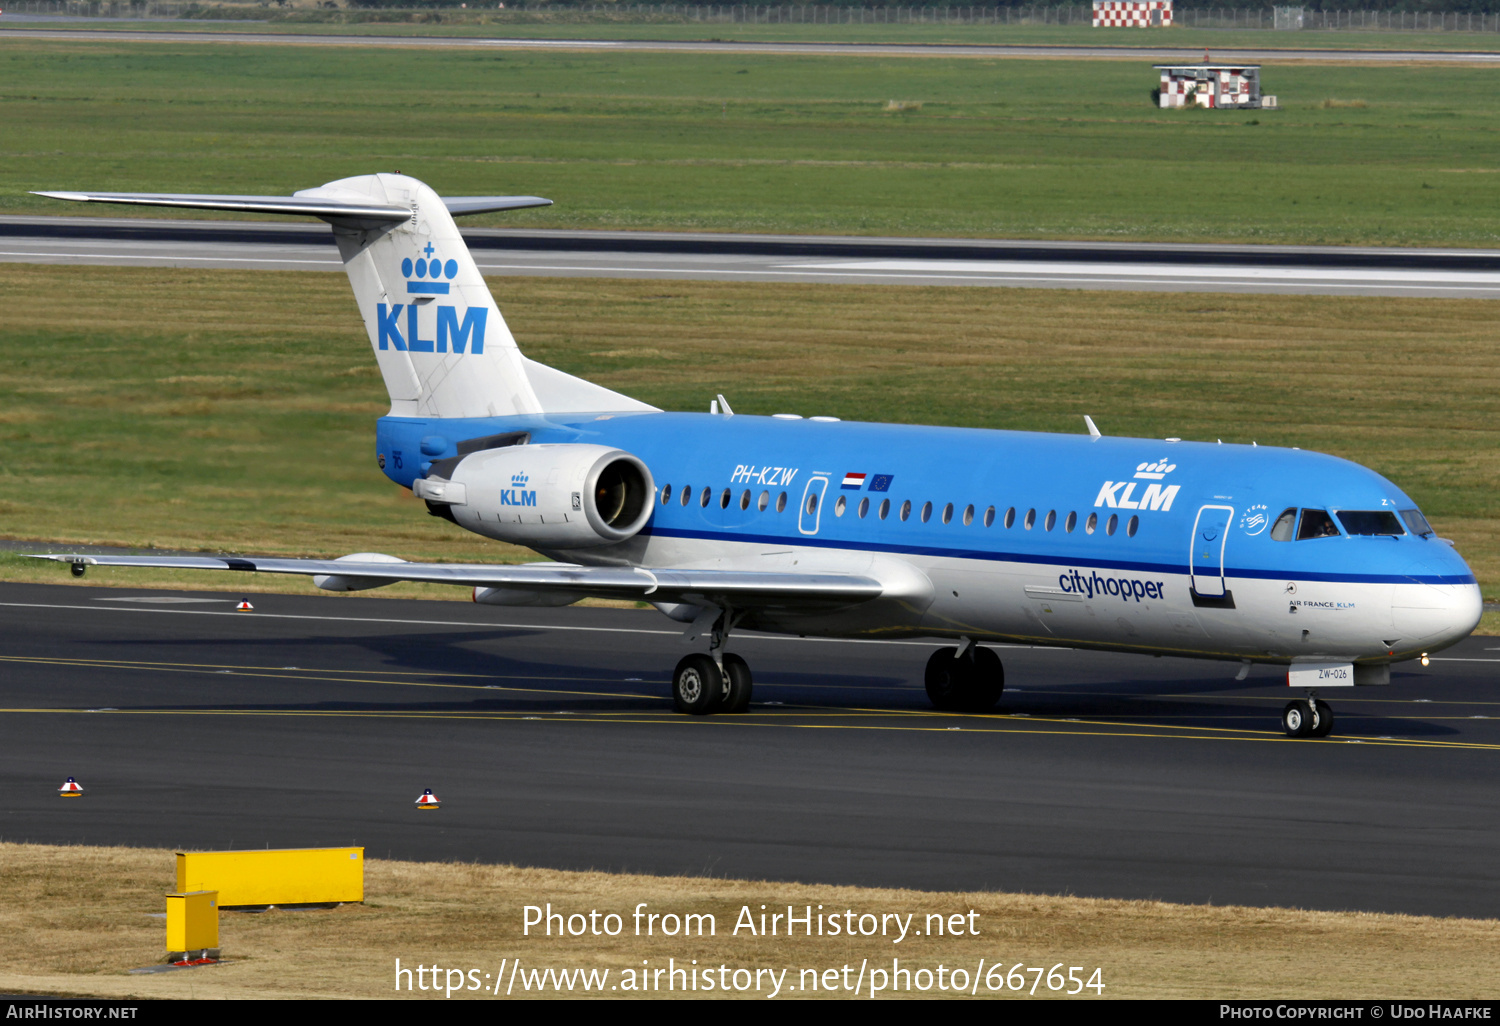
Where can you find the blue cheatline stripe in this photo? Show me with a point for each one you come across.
(431, 288)
(1055, 560)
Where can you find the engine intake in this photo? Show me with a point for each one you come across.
(566, 496)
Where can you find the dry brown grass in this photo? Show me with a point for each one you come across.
(81, 917)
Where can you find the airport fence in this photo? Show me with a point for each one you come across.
(1301, 18)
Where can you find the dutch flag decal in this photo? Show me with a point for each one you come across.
(854, 481)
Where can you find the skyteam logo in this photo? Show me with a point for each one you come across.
(428, 269)
(516, 495)
(1120, 494)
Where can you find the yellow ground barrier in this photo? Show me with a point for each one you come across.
(276, 876)
(192, 925)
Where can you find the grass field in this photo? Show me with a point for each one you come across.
(452, 23)
(998, 148)
(84, 913)
(235, 409)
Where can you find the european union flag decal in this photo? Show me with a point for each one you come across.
(881, 482)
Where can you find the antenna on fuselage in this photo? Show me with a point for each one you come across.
(724, 406)
(1093, 430)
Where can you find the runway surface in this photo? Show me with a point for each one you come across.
(1368, 271)
(1149, 53)
(549, 738)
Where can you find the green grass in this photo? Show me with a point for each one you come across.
(234, 410)
(765, 144)
(490, 24)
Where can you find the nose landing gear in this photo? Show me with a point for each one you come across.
(1307, 717)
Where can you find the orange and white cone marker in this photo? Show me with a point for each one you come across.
(245, 606)
(70, 789)
(428, 800)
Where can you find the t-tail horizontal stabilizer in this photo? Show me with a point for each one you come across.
(442, 346)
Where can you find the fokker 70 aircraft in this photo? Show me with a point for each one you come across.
(837, 529)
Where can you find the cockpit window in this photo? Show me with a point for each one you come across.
(1285, 526)
(1417, 522)
(1370, 522)
(1316, 523)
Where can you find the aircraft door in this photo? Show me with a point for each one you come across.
(811, 511)
(1210, 532)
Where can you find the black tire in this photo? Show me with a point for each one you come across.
(942, 683)
(971, 684)
(986, 681)
(1297, 718)
(697, 685)
(737, 686)
(1324, 716)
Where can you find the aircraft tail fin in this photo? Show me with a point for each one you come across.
(442, 345)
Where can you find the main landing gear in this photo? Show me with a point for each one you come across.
(719, 682)
(1307, 717)
(967, 679)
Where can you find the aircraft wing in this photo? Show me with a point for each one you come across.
(730, 587)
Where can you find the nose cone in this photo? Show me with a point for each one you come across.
(1439, 607)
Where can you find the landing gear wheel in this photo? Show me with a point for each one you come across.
(972, 683)
(1297, 718)
(737, 685)
(1323, 713)
(697, 685)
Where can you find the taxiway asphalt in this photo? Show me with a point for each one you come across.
(1290, 270)
(549, 737)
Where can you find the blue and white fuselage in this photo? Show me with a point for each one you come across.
(1122, 543)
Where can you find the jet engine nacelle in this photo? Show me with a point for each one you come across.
(568, 496)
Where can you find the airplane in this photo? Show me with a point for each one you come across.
(814, 526)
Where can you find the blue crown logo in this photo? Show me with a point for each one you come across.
(427, 272)
(519, 480)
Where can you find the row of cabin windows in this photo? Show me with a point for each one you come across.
(904, 512)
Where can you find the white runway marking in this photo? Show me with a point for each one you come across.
(1054, 270)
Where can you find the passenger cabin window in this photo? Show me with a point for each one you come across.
(1091, 524)
(781, 502)
(926, 512)
(885, 508)
(1072, 522)
(1370, 522)
(838, 507)
(864, 507)
(989, 517)
(1285, 527)
(707, 495)
(1417, 522)
(1010, 517)
(666, 494)
(906, 509)
(764, 501)
(1316, 523)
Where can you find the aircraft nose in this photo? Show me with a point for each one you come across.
(1434, 616)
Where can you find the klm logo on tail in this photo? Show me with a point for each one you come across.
(451, 332)
(425, 277)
